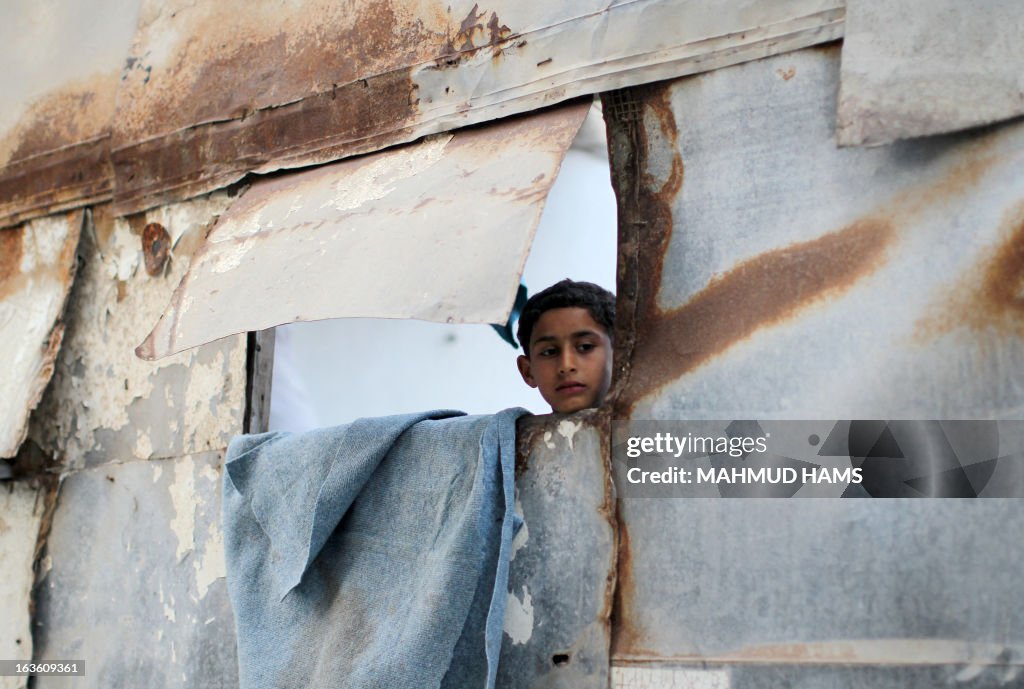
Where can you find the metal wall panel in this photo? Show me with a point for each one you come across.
(563, 560)
(37, 267)
(56, 106)
(917, 67)
(781, 277)
(133, 581)
(105, 404)
(216, 89)
(21, 514)
(392, 233)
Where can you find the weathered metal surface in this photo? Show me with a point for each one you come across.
(20, 517)
(917, 67)
(563, 558)
(781, 277)
(106, 405)
(133, 577)
(753, 676)
(37, 267)
(437, 231)
(56, 107)
(272, 88)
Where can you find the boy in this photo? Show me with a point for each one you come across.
(566, 334)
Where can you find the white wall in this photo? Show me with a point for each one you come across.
(331, 372)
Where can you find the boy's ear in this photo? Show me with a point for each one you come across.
(524, 370)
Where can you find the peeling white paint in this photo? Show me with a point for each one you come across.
(30, 333)
(229, 259)
(523, 535)
(182, 490)
(567, 429)
(211, 567)
(377, 178)
(17, 544)
(143, 446)
(547, 440)
(209, 473)
(99, 387)
(158, 471)
(519, 617)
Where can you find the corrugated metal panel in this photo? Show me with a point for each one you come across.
(37, 267)
(104, 404)
(20, 517)
(134, 578)
(56, 107)
(785, 278)
(917, 67)
(216, 89)
(557, 627)
(437, 231)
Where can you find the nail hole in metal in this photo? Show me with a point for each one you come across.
(560, 659)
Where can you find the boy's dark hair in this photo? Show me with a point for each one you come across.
(567, 293)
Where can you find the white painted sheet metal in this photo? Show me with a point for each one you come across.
(437, 231)
(64, 61)
(21, 513)
(104, 405)
(219, 88)
(37, 267)
(917, 67)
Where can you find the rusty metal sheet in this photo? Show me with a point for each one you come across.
(37, 267)
(557, 627)
(56, 107)
(437, 231)
(918, 67)
(20, 518)
(216, 89)
(104, 404)
(784, 278)
(133, 577)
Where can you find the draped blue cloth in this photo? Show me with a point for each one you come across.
(373, 554)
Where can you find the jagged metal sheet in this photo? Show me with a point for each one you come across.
(56, 108)
(782, 277)
(133, 577)
(218, 88)
(918, 67)
(438, 231)
(104, 404)
(563, 558)
(37, 267)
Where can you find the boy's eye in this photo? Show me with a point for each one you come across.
(585, 346)
(548, 351)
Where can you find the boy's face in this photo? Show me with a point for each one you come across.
(570, 359)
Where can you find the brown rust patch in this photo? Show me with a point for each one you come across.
(627, 638)
(77, 112)
(786, 74)
(11, 247)
(991, 295)
(156, 246)
(758, 293)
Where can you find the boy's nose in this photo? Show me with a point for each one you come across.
(568, 363)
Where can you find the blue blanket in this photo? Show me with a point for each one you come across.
(373, 554)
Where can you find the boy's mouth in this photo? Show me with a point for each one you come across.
(571, 386)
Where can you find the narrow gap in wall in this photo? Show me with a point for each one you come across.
(332, 372)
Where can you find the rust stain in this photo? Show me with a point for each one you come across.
(473, 33)
(990, 296)
(11, 247)
(76, 112)
(627, 638)
(786, 74)
(832, 652)
(156, 244)
(758, 293)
